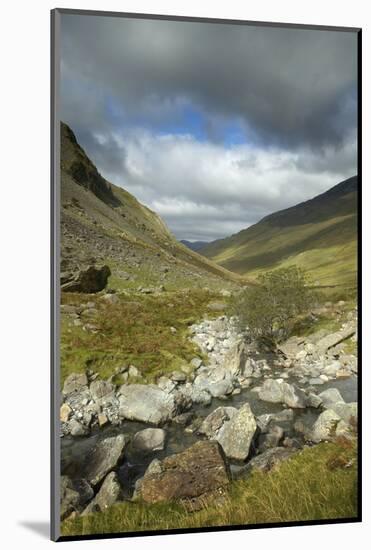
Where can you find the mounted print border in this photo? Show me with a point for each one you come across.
(204, 359)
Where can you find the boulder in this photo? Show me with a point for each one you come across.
(195, 473)
(346, 411)
(108, 494)
(148, 403)
(149, 440)
(233, 428)
(104, 457)
(76, 428)
(217, 381)
(75, 382)
(330, 397)
(100, 389)
(73, 495)
(324, 427)
(235, 360)
(335, 338)
(266, 461)
(278, 391)
(212, 424)
(195, 394)
(90, 280)
(237, 433)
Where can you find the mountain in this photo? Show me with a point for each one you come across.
(194, 245)
(103, 223)
(319, 235)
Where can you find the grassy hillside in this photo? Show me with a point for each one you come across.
(104, 222)
(319, 235)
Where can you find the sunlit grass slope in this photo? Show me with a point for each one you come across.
(319, 235)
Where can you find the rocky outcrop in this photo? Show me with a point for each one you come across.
(90, 280)
(193, 475)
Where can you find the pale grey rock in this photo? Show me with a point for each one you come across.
(324, 427)
(330, 397)
(108, 494)
(104, 457)
(278, 391)
(149, 440)
(147, 403)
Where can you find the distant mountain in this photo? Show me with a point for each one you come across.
(103, 223)
(194, 245)
(319, 235)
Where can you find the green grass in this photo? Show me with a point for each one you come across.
(134, 331)
(318, 483)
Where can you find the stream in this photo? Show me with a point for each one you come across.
(74, 450)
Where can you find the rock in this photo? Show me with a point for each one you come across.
(330, 397)
(278, 391)
(100, 389)
(214, 421)
(77, 429)
(104, 457)
(195, 394)
(196, 362)
(333, 339)
(236, 360)
(90, 280)
(266, 461)
(149, 440)
(178, 377)
(324, 427)
(216, 306)
(184, 419)
(74, 383)
(292, 347)
(233, 428)
(346, 411)
(313, 400)
(108, 494)
(316, 382)
(65, 412)
(133, 372)
(102, 419)
(147, 403)
(195, 473)
(165, 384)
(73, 495)
(216, 381)
(111, 299)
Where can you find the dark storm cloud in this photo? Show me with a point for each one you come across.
(289, 86)
(212, 126)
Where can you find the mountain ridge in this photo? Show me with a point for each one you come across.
(299, 234)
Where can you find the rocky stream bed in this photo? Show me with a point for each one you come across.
(185, 437)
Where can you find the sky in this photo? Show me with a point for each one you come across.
(213, 126)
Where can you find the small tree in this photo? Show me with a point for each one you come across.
(270, 308)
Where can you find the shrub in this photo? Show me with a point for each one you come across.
(270, 308)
